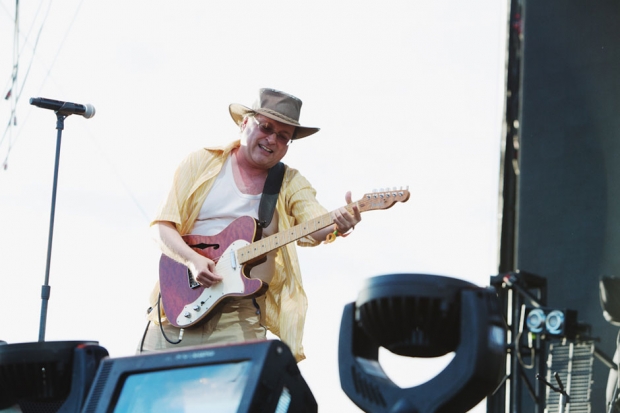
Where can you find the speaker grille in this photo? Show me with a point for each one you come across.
(33, 406)
(97, 389)
(573, 362)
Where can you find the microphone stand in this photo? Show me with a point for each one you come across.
(45, 288)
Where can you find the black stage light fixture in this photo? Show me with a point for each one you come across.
(48, 376)
(419, 315)
(551, 322)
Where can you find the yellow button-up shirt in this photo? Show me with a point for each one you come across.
(286, 301)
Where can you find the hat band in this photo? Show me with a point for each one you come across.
(278, 115)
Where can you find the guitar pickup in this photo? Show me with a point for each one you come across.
(233, 259)
(193, 284)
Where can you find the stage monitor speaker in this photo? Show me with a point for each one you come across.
(259, 376)
(48, 377)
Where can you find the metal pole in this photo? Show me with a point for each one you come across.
(46, 289)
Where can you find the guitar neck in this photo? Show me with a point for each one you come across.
(272, 242)
(372, 201)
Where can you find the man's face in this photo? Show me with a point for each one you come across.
(264, 141)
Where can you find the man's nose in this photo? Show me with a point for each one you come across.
(272, 138)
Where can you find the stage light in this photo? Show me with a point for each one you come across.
(555, 322)
(552, 322)
(536, 320)
(418, 315)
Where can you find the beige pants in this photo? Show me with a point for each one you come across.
(235, 321)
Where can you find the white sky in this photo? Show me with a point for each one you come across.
(405, 92)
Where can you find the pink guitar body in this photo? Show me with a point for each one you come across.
(189, 304)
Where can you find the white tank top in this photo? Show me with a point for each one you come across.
(215, 215)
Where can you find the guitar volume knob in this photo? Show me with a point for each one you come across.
(187, 314)
(196, 308)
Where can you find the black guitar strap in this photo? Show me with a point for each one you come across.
(269, 198)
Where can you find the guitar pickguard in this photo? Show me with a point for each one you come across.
(232, 284)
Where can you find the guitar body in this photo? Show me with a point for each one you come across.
(187, 303)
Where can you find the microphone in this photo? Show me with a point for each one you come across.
(64, 108)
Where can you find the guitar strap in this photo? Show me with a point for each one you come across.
(269, 198)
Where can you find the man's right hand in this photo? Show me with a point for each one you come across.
(203, 270)
(172, 244)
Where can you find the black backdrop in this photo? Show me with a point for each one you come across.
(568, 197)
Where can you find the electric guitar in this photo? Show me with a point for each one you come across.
(235, 251)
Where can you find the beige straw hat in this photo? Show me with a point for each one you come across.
(275, 105)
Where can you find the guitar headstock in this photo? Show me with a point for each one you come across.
(383, 199)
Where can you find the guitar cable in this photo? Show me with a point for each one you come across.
(161, 327)
(148, 323)
(181, 331)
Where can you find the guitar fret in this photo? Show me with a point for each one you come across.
(292, 233)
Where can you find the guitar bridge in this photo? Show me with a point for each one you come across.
(193, 284)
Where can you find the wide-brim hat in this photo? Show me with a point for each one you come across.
(275, 105)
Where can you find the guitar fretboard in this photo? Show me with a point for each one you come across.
(272, 242)
(373, 201)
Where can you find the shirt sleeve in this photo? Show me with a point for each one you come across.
(302, 204)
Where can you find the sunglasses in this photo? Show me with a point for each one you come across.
(268, 130)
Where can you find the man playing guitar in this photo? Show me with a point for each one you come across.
(212, 189)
